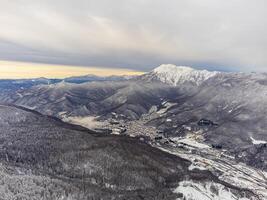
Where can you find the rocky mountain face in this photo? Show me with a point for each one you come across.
(44, 158)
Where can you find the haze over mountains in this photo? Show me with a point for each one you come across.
(218, 116)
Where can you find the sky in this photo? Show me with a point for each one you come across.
(23, 70)
(136, 34)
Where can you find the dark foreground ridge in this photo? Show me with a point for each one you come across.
(44, 158)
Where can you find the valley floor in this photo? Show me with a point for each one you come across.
(192, 148)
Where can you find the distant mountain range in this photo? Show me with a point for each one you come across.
(14, 84)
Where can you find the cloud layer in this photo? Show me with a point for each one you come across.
(139, 34)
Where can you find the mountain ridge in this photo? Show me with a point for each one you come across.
(178, 75)
(234, 101)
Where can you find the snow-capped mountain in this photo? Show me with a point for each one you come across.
(177, 75)
(170, 101)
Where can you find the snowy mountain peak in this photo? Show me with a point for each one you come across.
(175, 75)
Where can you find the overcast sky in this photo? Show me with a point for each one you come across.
(137, 34)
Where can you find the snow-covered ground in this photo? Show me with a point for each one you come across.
(192, 190)
(257, 141)
(223, 166)
(167, 105)
(190, 142)
(87, 121)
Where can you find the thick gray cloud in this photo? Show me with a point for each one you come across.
(139, 34)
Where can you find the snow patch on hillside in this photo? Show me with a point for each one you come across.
(191, 142)
(205, 191)
(258, 141)
(90, 122)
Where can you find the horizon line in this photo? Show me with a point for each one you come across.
(28, 70)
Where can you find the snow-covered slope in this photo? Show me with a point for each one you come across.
(206, 191)
(44, 158)
(176, 75)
